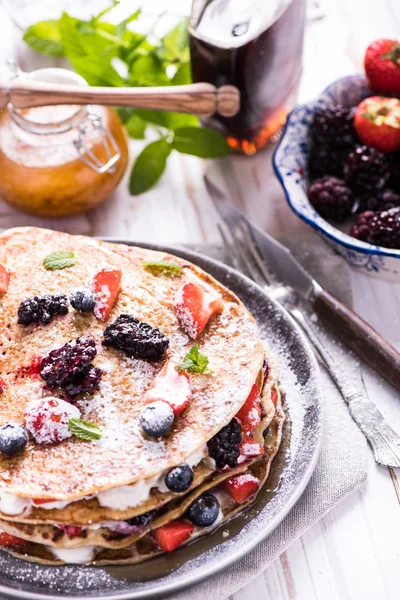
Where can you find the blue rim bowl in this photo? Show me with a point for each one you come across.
(290, 165)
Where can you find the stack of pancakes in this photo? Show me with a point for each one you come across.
(102, 501)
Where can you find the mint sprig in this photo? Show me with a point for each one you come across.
(59, 260)
(84, 430)
(164, 267)
(195, 362)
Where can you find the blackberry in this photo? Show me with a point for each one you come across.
(204, 511)
(63, 365)
(82, 300)
(156, 418)
(331, 198)
(84, 383)
(41, 309)
(382, 200)
(394, 181)
(224, 446)
(380, 229)
(323, 160)
(13, 439)
(179, 479)
(366, 170)
(136, 339)
(142, 520)
(333, 127)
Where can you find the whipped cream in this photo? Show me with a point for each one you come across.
(76, 556)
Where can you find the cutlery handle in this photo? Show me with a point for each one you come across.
(202, 99)
(360, 337)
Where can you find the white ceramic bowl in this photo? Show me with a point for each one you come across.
(290, 164)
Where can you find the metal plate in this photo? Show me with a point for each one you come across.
(290, 473)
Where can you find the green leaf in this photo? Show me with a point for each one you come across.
(147, 70)
(84, 430)
(45, 37)
(121, 27)
(194, 361)
(169, 120)
(158, 117)
(183, 74)
(149, 166)
(136, 127)
(199, 141)
(59, 260)
(168, 268)
(125, 113)
(175, 44)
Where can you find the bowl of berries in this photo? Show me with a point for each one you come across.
(339, 163)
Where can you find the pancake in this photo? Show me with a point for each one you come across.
(75, 469)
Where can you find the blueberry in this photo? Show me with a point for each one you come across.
(156, 418)
(141, 520)
(179, 478)
(266, 432)
(13, 439)
(82, 300)
(204, 511)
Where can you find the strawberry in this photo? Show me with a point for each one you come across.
(71, 531)
(274, 396)
(3, 385)
(194, 307)
(39, 501)
(382, 66)
(249, 415)
(106, 285)
(377, 123)
(8, 541)
(4, 279)
(241, 486)
(173, 534)
(171, 386)
(250, 448)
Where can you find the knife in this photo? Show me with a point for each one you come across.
(360, 337)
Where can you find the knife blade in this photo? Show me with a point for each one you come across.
(356, 333)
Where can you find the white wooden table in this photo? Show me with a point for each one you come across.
(353, 553)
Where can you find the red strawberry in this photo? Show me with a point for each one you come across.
(377, 122)
(172, 387)
(8, 541)
(3, 385)
(4, 279)
(382, 66)
(39, 501)
(250, 448)
(241, 486)
(171, 536)
(71, 531)
(194, 307)
(250, 413)
(274, 396)
(106, 285)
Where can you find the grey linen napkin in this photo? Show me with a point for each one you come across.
(343, 462)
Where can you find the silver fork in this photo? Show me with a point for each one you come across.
(245, 255)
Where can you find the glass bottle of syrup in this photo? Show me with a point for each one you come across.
(255, 45)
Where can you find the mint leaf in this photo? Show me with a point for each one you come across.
(59, 260)
(175, 44)
(199, 141)
(84, 430)
(121, 27)
(149, 166)
(194, 361)
(136, 127)
(183, 74)
(147, 70)
(169, 268)
(45, 37)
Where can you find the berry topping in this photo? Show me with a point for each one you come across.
(323, 160)
(8, 541)
(71, 530)
(377, 121)
(13, 439)
(366, 169)
(82, 300)
(42, 309)
(224, 446)
(382, 66)
(331, 198)
(47, 420)
(40, 501)
(171, 536)
(171, 386)
(333, 127)
(381, 229)
(142, 520)
(266, 432)
(250, 448)
(64, 365)
(136, 339)
(84, 383)
(240, 487)
(31, 370)
(204, 511)
(378, 202)
(274, 396)
(156, 418)
(179, 479)
(4, 279)
(194, 307)
(3, 385)
(249, 416)
(106, 285)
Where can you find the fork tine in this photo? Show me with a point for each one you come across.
(255, 250)
(241, 246)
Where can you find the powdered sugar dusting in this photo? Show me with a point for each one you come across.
(47, 419)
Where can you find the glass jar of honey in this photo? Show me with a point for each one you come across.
(58, 161)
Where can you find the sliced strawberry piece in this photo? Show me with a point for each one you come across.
(106, 285)
(71, 531)
(249, 447)
(4, 279)
(40, 501)
(249, 415)
(3, 385)
(194, 307)
(241, 486)
(171, 536)
(274, 396)
(171, 386)
(7, 540)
